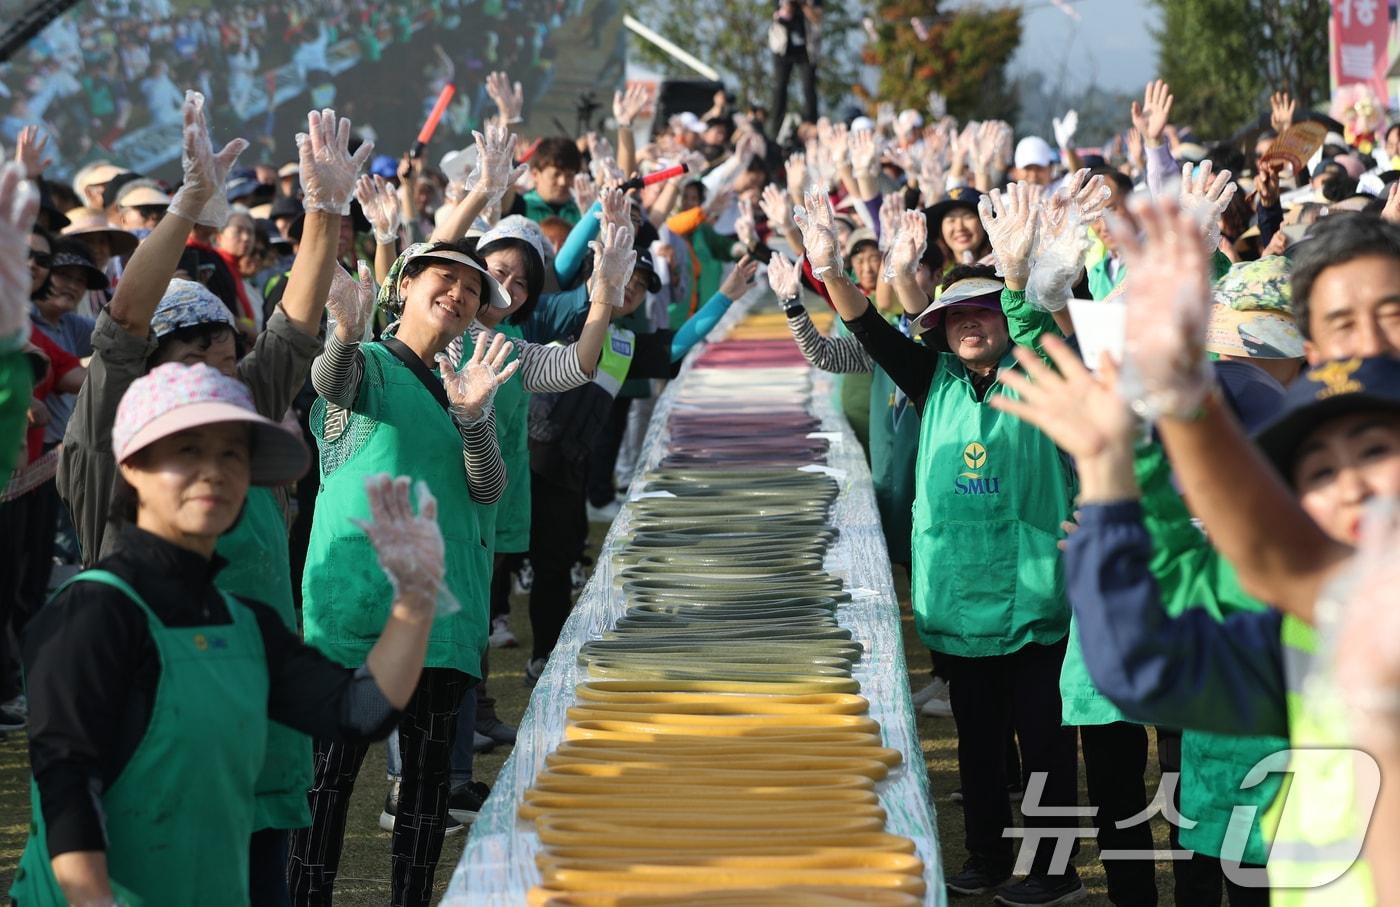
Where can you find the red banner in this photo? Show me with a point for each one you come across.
(1360, 43)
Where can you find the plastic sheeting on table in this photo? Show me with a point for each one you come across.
(498, 865)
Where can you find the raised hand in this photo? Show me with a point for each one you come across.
(891, 207)
(613, 261)
(471, 389)
(509, 97)
(351, 302)
(1010, 222)
(1206, 199)
(1065, 128)
(605, 166)
(838, 141)
(785, 277)
(1165, 370)
(1063, 240)
(796, 176)
(585, 191)
(907, 248)
(776, 207)
(865, 153)
(1136, 157)
(745, 227)
(1281, 108)
(328, 170)
(495, 162)
(616, 207)
(932, 182)
(627, 106)
(989, 140)
(29, 151)
(1150, 117)
(816, 221)
(19, 204)
(200, 197)
(740, 278)
(409, 547)
(1089, 196)
(380, 202)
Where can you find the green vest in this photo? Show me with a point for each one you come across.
(259, 569)
(537, 209)
(179, 817)
(512, 512)
(990, 494)
(397, 427)
(854, 396)
(1313, 826)
(893, 448)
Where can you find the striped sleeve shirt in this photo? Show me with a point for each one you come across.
(839, 355)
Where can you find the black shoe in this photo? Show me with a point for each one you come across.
(465, 802)
(391, 812)
(978, 876)
(1037, 890)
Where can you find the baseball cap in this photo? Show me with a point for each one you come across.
(1252, 315)
(1323, 393)
(647, 264)
(175, 397)
(95, 174)
(185, 304)
(1034, 151)
(982, 292)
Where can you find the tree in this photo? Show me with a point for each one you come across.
(732, 36)
(1223, 58)
(962, 54)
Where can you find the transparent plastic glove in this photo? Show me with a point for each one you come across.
(796, 175)
(1010, 222)
(776, 207)
(785, 278)
(627, 106)
(613, 262)
(409, 547)
(988, 141)
(380, 202)
(838, 142)
(933, 182)
(865, 152)
(351, 302)
(1060, 247)
(1366, 656)
(19, 204)
(1165, 369)
(616, 209)
(200, 197)
(907, 249)
(745, 226)
(816, 221)
(509, 97)
(328, 170)
(495, 172)
(585, 192)
(1065, 128)
(891, 207)
(1206, 199)
(471, 389)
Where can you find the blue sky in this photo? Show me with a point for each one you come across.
(1110, 44)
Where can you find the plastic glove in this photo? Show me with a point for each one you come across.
(200, 197)
(819, 234)
(613, 262)
(837, 139)
(865, 152)
(1060, 247)
(509, 97)
(891, 207)
(776, 207)
(328, 170)
(471, 389)
(604, 160)
(351, 302)
(1206, 199)
(933, 183)
(616, 209)
(796, 175)
(1010, 222)
(989, 139)
(409, 548)
(1165, 369)
(380, 202)
(626, 107)
(785, 278)
(585, 192)
(745, 228)
(1366, 657)
(493, 173)
(19, 204)
(1065, 128)
(907, 249)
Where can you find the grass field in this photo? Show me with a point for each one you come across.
(364, 878)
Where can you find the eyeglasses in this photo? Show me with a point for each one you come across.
(42, 259)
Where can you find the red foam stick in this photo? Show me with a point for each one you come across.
(425, 135)
(663, 175)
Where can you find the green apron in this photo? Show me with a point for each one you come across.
(893, 449)
(179, 816)
(990, 494)
(259, 569)
(397, 427)
(511, 515)
(855, 396)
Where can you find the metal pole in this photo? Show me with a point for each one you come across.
(671, 48)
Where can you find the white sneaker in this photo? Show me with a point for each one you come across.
(936, 705)
(501, 637)
(604, 514)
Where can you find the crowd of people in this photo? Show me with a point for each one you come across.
(1134, 431)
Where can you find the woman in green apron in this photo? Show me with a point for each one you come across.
(400, 405)
(151, 690)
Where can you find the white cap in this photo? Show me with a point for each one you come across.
(908, 121)
(862, 123)
(690, 121)
(1033, 151)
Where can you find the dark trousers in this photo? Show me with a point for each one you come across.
(26, 561)
(782, 73)
(501, 570)
(1200, 881)
(558, 531)
(992, 696)
(602, 459)
(425, 743)
(267, 868)
(1115, 758)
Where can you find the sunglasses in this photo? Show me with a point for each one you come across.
(42, 259)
